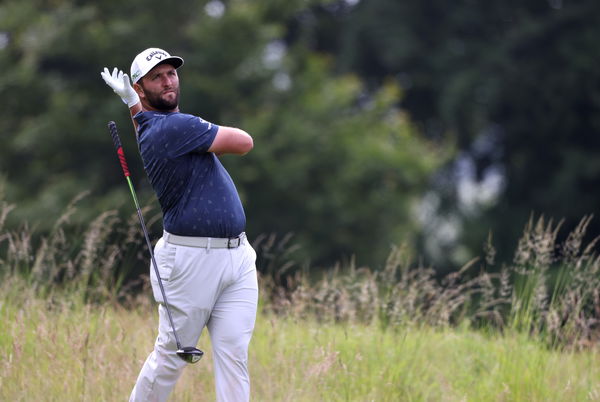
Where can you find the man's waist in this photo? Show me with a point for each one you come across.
(205, 242)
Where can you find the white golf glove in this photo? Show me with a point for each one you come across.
(120, 83)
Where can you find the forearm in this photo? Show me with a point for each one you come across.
(135, 109)
(231, 140)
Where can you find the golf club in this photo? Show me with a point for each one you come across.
(189, 354)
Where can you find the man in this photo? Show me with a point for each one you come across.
(205, 262)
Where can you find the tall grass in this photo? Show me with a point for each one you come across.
(94, 352)
(87, 265)
(551, 290)
(71, 328)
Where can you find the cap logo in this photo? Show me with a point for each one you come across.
(157, 54)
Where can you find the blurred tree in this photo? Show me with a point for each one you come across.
(339, 167)
(516, 82)
(345, 178)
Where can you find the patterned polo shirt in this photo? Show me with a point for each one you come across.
(196, 194)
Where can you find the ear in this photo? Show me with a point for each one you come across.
(140, 91)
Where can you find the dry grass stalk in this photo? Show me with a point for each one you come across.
(550, 289)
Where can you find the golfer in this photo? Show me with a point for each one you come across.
(206, 264)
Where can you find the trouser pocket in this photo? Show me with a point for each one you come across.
(164, 254)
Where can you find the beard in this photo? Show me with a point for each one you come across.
(162, 102)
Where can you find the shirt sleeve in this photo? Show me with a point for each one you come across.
(188, 134)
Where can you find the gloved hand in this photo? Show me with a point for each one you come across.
(120, 83)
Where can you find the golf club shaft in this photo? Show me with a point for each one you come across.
(117, 141)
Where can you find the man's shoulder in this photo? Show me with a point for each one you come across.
(174, 124)
(164, 121)
(178, 120)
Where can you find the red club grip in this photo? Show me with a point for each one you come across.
(123, 161)
(117, 141)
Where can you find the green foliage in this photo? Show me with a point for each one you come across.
(339, 169)
(517, 83)
(344, 180)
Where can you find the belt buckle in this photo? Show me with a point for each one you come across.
(231, 242)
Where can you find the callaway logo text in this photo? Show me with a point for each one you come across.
(158, 54)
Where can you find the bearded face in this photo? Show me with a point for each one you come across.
(162, 100)
(160, 88)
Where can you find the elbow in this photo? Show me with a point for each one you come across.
(247, 144)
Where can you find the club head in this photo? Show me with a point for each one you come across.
(190, 355)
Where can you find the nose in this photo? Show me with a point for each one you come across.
(167, 81)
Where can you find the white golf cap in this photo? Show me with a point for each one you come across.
(148, 59)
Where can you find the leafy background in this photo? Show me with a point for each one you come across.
(375, 122)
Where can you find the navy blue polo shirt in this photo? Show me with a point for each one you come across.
(195, 192)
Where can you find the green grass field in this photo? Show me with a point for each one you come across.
(70, 351)
(72, 330)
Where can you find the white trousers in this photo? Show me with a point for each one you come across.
(216, 288)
